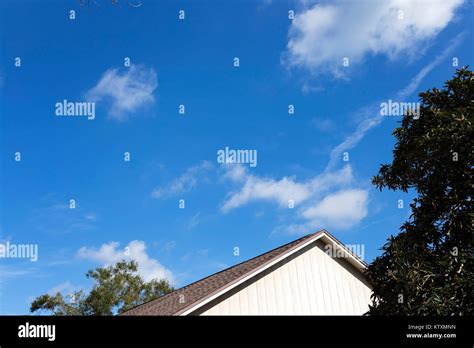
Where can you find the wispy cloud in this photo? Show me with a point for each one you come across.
(126, 90)
(194, 221)
(415, 82)
(60, 218)
(13, 272)
(184, 183)
(110, 253)
(372, 113)
(324, 33)
(323, 124)
(263, 4)
(168, 246)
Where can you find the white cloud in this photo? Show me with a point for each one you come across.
(126, 91)
(236, 172)
(254, 188)
(110, 253)
(185, 183)
(316, 202)
(328, 180)
(340, 210)
(322, 35)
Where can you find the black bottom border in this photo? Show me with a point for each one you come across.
(237, 330)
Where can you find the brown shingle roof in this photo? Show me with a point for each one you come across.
(197, 291)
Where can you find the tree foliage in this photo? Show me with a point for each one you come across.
(428, 268)
(116, 288)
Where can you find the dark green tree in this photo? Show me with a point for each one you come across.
(428, 268)
(116, 289)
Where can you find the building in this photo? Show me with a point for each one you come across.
(313, 275)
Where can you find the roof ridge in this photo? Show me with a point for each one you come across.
(174, 292)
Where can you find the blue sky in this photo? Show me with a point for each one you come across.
(393, 53)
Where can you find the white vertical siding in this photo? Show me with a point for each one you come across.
(311, 283)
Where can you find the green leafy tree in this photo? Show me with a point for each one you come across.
(116, 289)
(428, 268)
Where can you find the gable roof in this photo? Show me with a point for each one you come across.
(189, 298)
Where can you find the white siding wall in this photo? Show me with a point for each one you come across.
(312, 284)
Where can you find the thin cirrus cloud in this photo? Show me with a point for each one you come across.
(323, 34)
(110, 253)
(126, 92)
(60, 218)
(185, 182)
(371, 113)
